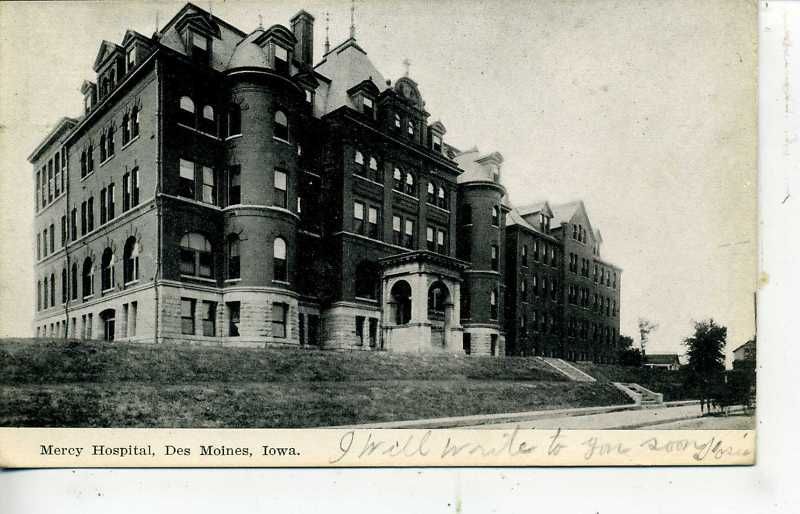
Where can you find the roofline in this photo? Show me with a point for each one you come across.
(533, 230)
(48, 139)
(213, 17)
(742, 345)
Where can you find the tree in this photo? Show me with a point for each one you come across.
(645, 328)
(625, 343)
(630, 357)
(706, 351)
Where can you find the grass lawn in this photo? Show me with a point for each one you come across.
(74, 384)
(672, 384)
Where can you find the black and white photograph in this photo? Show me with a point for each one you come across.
(519, 217)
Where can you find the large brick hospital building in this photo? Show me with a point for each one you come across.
(224, 188)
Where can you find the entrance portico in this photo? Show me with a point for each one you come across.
(421, 294)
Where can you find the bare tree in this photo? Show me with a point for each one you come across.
(645, 328)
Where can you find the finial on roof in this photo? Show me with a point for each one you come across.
(155, 32)
(407, 64)
(353, 19)
(260, 21)
(327, 29)
(210, 8)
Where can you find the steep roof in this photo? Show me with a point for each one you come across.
(564, 212)
(345, 66)
(64, 125)
(247, 54)
(663, 358)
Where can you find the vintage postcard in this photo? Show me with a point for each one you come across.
(385, 233)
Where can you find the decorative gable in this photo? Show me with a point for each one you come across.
(107, 49)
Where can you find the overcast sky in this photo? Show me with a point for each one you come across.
(645, 110)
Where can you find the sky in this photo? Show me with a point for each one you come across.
(645, 110)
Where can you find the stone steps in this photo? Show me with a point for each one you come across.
(567, 369)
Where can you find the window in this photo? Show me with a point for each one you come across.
(73, 224)
(374, 173)
(410, 189)
(110, 193)
(367, 279)
(38, 295)
(187, 316)
(200, 48)
(52, 290)
(281, 126)
(401, 299)
(441, 241)
(209, 186)
(130, 58)
(397, 121)
(186, 182)
(397, 182)
(50, 182)
(360, 330)
(397, 236)
(209, 319)
(441, 198)
(467, 344)
(279, 319)
(309, 96)
(408, 241)
(234, 185)
(281, 59)
(38, 246)
(126, 192)
(524, 255)
(102, 206)
(437, 143)
(196, 255)
(234, 267)
(234, 120)
(74, 281)
(495, 257)
(373, 332)
(38, 190)
(110, 141)
(64, 285)
(281, 197)
(186, 114)
(431, 193)
(373, 221)
(493, 304)
(134, 122)
(466, 304)
(90, 159)
(52, 238)
(63, 231)
(495, 216)
(103, 147)
(135, 187)
(523, 290)
(368, 107)
(107, 270)
(429, 238)
(88, 278)
(58, 175)
(410, 127)
(359, 158)
(208, 122)
(84, 219)
(130, 261)
(234, 309)
(279, 260)
(437, 298)
(44, 243)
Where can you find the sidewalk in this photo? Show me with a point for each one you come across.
(550, 418)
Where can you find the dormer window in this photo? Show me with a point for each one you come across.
(201, 48)
(437, 143)
(411, 128)
(397, 121)
(368, 107)
(87, 103)
(309, 96)
(281, 62)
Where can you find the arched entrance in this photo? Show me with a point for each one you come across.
(438, 306)
(108, 318)
(401, 302)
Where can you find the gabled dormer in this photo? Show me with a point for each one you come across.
(413, 117)
(436, 134)
(109, 66)
(278, 42)
(364, 97)
(89, 92)
(198, 30)
(491, 163)
(136, 48)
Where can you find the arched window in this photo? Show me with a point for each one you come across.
(279, 260)
(373, 164)
(64, 285)
(401, 297)
(442, 198)
(52, 289)
(74, 281)
(280, 129)
(234, 265)
(208, 123)
(438, 294)
(493, 304)
(196, 257)
(409, 183)
(107, 270)
(397, 177)
(130, 261)
(126, 128)
(186, 115)
(42, 294)
(397, 121)
(234, 120)
(103, 147)
(495, 216)
(410, 127)
(88, 278)
(431, 193)
(359, 158)
(367, 279)
(83, 164)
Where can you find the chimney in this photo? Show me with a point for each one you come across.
(303, 30)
